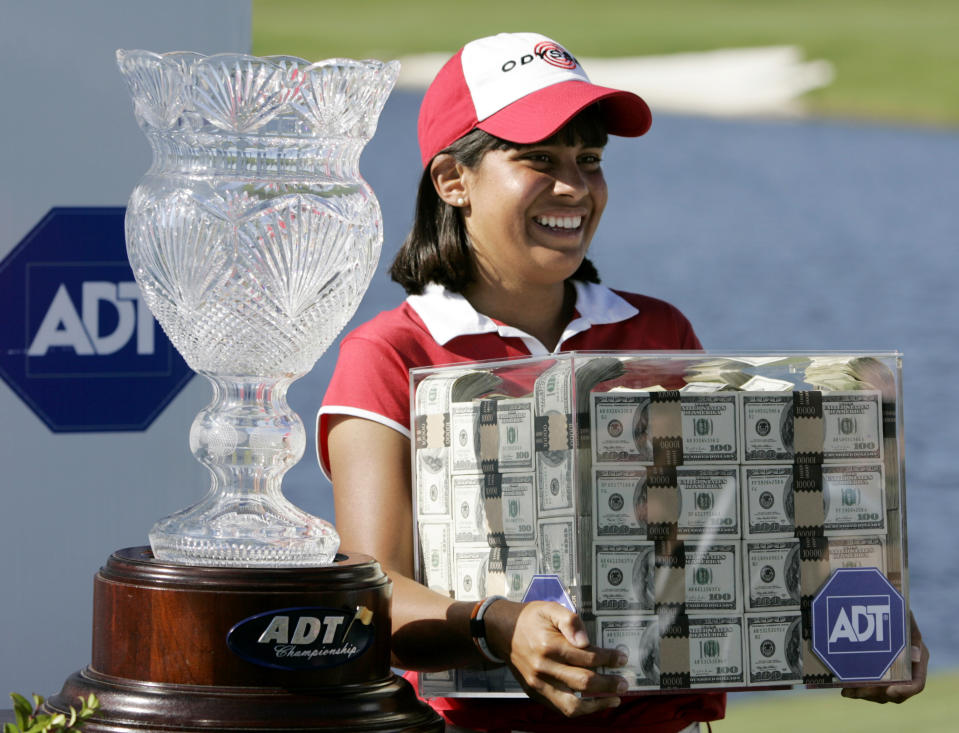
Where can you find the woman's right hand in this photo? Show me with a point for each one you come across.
(549, 653)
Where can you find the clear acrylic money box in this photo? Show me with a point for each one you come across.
(729, 521)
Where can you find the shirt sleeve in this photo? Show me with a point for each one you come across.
(370, 380)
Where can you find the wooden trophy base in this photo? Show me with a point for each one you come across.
(186, 648)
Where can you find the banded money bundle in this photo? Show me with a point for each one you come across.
(491, 436)
(666, 502)
(677, 652)
(774, 648)
(641, 427)
(833, 499)
(837, 426)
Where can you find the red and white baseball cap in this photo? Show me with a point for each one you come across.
(521, 87)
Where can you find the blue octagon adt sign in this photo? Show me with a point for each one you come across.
(77, 342)
(858, 624)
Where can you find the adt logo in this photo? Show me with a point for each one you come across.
(77, 342)
(858, 621)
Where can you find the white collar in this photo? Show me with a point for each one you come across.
(448, 315)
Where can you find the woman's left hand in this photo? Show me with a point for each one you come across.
(901, 691)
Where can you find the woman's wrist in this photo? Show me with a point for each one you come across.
(478, 628)
(499, 620)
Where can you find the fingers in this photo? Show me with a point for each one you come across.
(551, 656)
(902, 691)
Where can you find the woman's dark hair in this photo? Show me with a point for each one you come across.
(437, 248)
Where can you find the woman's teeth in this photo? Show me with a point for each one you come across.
(560, 222)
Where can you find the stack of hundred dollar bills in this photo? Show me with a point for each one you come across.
(691, 526)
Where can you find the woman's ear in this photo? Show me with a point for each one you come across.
(448, 181)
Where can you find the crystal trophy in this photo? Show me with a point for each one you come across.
(253, 238)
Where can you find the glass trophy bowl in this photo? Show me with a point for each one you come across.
(253, 238)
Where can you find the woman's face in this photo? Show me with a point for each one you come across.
(532, 211)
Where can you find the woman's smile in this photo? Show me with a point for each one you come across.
(533, 210)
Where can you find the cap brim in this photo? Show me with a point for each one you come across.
(541, 114)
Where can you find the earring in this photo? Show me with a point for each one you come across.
(460, 201)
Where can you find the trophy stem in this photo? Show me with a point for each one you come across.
(248, 437)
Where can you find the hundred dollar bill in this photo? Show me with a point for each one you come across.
(496, 509)
(770, 503)
(432, 443)
(470, 566)
(716, 651)
(436, 556)
(621, 430)
(624, 579)
(772, 570)
(853, 496)
(708, 502)
(431, 429)
(713, 576)
(553, 425)
(710, 427)
(853, 425)
(620, 503)
(556, 539)
(767, 426)
(774, 643)
(638, 638)
(510, 571)
(492, 435)
(851, 422)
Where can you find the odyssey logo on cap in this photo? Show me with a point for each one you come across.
(552, 53)
(521, 87)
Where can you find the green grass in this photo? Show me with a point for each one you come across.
(825, 711)
(895, 60)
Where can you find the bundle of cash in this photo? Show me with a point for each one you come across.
(510, 570)
(713, 579)
(846, 499)
(470, 567)
(556, 540)
(696, 501)
(853, 497)
(590, 372)
(494, 508)
(638, 638)
(769, 501)
(772, 573)
(624, 433)
(436, 556)
(492, 435)
(841, 373)
(620, 509)
(432, 433)
(741, 373)
(851, 426)
(553, 438)
(774, 646)
(624, 577)
(716, 651)
(708, 502)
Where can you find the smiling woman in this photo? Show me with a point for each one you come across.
(511, 134)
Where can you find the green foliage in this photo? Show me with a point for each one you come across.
(31, 720)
